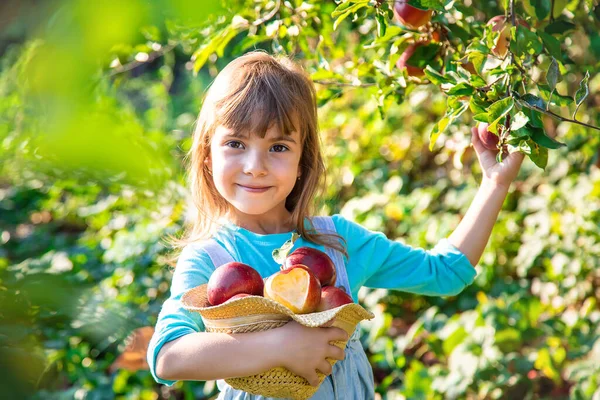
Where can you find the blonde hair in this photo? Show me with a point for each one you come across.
(250, 94)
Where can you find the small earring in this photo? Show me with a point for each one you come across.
(298, 179)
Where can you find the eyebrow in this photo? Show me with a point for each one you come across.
(284, 138)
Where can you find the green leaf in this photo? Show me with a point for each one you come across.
(424, 55)
(381, 25)
(557, 98)
(539, 136)
(444, 123)
(508, 339)
(498, 110)
(583, 92)
(518, 121)
(482, 117)
(553, 75)
(436, 78)
(462, 89)
(477, 81)
(478, 106)
(560, 26)
(539, 155)
(437, 5)
(551, 44)
(535, 117)
(454, 339)
(541, 8)
(526, 43)
(533, 101)
(281, 253)
(346, 11)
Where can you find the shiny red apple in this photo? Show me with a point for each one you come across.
(332, 297)
(318, 262)
(410, 16)
(489, 139)
(296, 288)
(231, 279)
(239, 296)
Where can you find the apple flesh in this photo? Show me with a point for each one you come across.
(296, 288)
(316, 260)
(489, 139)
(499, 24)
(332, 297)
(410, 16)
(231, 279)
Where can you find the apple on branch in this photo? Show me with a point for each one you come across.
(489, 139)
(500, 24)
(232, 279)
(410, 16)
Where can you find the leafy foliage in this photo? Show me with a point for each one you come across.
(95, 114)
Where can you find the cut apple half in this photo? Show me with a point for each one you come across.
(296, 288)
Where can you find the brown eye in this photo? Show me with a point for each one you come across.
(279, 148)
(234, 144)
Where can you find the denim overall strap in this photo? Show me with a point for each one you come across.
(326, 225)
(217, 253)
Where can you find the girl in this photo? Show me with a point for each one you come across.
(255, 167)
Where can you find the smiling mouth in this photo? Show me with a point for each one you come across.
(255, 188)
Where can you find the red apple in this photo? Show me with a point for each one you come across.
(402, 62)
(231, 279)
(239, 296)
(318, 262)
(499, 24)
(297, 288)
(332, 297)
(489, 139)
(410, 16)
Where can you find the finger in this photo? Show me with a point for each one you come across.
(312, 378)
(325, 367)
(337, 334)
(328, 324)
(336, 353)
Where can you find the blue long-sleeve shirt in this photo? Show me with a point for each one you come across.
(373, 261)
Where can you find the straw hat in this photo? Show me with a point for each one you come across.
(255, 314)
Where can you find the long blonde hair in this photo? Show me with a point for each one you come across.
(250, 94)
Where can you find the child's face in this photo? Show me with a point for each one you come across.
(255, 175)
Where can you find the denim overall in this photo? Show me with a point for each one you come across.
(352, 378)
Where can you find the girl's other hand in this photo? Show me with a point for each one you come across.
(503, 173)
(305, 350)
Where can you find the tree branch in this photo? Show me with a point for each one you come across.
(559, 117)
(337, 83)
(134, 64)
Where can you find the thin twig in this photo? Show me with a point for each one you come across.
(548, 112)
(270, 15)
(134, 64)
(337, 83)
(552, 11)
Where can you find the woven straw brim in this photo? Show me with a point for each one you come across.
(255, 314)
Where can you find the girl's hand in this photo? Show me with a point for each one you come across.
(497, 173)
(305, 350)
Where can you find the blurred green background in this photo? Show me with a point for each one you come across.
(97, 103)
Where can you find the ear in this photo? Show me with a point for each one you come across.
(208, 163)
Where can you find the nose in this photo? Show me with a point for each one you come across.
(255, 163)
